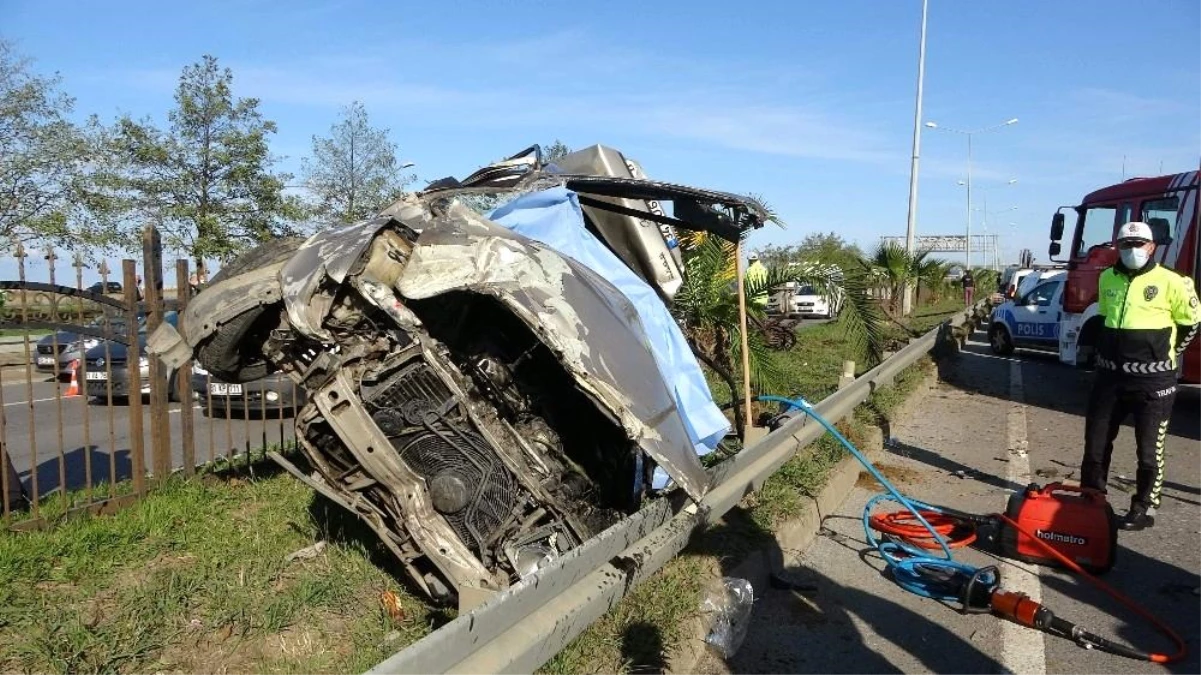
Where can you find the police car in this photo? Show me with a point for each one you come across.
(1031, 319)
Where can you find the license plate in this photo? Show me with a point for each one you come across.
(46, 360)
(97, 375)
(223, 389)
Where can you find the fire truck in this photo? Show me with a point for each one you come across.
(1169, 205)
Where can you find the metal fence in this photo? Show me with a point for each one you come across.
(89, 421)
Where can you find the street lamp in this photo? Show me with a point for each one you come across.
(969, 133)
(988, 214)
(907, 300)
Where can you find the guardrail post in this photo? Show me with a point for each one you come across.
(848, 374)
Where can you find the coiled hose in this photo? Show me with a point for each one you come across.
(913, 533)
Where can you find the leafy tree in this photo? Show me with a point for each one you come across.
(353, 172)
(826, 249)
(206, 180)
(48, 165)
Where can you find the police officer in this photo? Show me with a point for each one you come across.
(1151, 313)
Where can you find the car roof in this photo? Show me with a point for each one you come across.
(1036, 277)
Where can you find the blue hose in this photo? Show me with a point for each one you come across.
(914, 569)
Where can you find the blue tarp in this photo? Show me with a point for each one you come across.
(553, 218)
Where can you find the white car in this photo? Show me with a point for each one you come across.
(796, 300)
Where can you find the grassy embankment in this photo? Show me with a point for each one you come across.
(196, 577)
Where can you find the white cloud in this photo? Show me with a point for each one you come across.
(713, 110)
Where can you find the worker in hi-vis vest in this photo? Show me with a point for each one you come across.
(756, 272)
(1151, 314)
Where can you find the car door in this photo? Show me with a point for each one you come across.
(1037, 313)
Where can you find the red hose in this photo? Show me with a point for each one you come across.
(905, 525)
(1181, 648)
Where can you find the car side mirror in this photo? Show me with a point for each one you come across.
(1057, 227)
(1055, 248)
(1161, 231)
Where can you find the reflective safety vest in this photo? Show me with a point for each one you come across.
(1150, 316)
(757, 272)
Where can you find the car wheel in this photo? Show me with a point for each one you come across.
(222, 353)
(999, 340)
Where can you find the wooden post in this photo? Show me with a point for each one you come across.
(746, 355)
(848, 374)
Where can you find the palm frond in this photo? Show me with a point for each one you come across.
(861, 319)
(772, 216)
(768, 374)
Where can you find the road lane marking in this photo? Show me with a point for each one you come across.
(145, 406)
(1023, 650)
(38, 400)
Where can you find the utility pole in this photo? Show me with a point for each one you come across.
(907, 301)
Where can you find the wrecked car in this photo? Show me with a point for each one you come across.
(487, 393)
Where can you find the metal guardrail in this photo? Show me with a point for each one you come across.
(523, 627)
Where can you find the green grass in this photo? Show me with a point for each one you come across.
(194, 579)
(11, 332)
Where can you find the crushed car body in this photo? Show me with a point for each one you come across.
(487, 393)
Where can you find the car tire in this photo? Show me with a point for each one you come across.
(999, 340)
(222, 353)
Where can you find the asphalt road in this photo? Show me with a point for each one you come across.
(60, 435)
(968, 445)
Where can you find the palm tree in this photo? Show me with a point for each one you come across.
(892, 264)
(931, 274)
(985, 279)
(706, 306)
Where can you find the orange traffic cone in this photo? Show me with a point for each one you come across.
(73, 389)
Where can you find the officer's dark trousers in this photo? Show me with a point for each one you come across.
(1149, 400)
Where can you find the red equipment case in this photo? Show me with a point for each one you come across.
(1078, 522)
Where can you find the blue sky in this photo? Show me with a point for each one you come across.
(809, 104)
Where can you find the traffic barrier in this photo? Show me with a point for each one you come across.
(524, 626)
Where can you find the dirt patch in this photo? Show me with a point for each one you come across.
(223, 650)
(897, 475)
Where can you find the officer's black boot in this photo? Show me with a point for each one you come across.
(1136, 518)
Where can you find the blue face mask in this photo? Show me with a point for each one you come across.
(1134, 258)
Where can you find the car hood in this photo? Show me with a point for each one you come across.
(62, 337)
(110, 349)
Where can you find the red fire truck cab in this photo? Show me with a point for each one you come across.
(1169, 205)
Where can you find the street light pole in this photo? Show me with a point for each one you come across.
(969, 133)
(907, 300)
(967, 264)
(988, 213)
